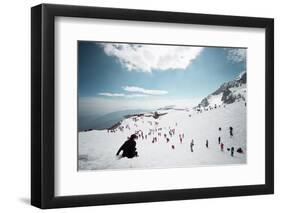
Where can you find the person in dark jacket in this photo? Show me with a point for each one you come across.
(231, 131)
(232, 151)
(129, 148)
(191, 145)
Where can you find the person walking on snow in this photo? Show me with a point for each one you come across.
(222, 147)
(191, 145)
(207, 143)
(219, 140)
(231, 131)
(232, 151)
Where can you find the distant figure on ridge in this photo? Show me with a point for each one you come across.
(129, 148)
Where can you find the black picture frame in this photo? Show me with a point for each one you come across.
(43, 105)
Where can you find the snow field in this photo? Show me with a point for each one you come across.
(97, 148)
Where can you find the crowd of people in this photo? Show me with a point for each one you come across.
(129, 147)
(166, 134)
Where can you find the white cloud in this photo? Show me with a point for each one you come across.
(236, 55)
(144, 91)
(136, 95)
(134, 92)
(111, 94)
(146, 58)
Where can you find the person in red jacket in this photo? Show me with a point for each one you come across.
(222, 147)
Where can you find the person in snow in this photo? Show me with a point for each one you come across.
(232, 151)
(191, 145)
(231, 131)
(170, 133)
(222, 147)
(207, 143)
(129, 148)
(219, 140)
(240, 150)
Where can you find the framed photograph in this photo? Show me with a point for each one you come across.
(139, 106)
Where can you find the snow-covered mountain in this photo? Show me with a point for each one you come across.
(227, 93)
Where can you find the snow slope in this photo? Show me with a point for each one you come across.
(97, 148)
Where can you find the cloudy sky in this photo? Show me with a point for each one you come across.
(116, 76)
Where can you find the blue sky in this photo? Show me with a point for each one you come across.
(113, 76)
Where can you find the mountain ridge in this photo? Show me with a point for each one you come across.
(229, 92)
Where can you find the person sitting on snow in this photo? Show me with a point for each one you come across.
(129, 148)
